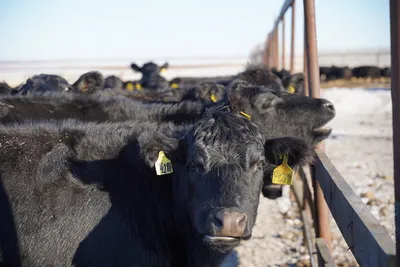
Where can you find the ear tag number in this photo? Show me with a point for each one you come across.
(162, 70)
(283, 174)
(138, 86)
(163, 165)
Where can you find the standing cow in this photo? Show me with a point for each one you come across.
(89, 195)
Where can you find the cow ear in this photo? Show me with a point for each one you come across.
(164, 67)
(297, 151)
(136, 68)
(266, 102)
(294, 84)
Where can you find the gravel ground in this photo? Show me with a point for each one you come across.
(361, 149)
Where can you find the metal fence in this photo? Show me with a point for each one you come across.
(367, 239)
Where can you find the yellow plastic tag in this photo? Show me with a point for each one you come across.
(291, 89)
(283, 174)
(245, 114)
(84, 87)
(163, 165)
(213, 98)
(162, 70)
(129, 87)
(138, 86)
(174, 85)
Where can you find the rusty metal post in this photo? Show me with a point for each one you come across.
(270, 60)
(305, 72)
(265, 53)
(395, 84)
(283, 41)
(276, 45)
(292, 51)
(322, 211)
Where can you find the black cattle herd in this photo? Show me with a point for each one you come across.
(105, 172)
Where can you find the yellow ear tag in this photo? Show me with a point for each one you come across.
(245, 114)
(163, 165)
(129, 87)
(174, 85)
(283, 174)
(162, 70)
(213, 98)
(138, 86)
(291, 89)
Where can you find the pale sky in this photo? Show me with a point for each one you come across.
(101, 29)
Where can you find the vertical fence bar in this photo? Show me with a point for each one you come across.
(395, 84)
(322, 211)
(283, 42)
(305, 72)
(276, 56)
(293, 38)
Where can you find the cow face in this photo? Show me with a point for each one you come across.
(223, 164)
(209, 92)
(89, 82)
(149, 72)
(281, 114)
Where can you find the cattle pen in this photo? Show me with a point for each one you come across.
(365, 237)
(320, 190)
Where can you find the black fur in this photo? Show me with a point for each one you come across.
(88, 194)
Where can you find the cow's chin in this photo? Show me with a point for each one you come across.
(221, 243)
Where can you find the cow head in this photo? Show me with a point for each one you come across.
(89, 82)
(281, 114)
(219, 175)
(294, 84)
(151, 77)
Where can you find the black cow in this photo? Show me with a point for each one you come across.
(386, 72)
(366, 72)
(282, 74)
(334, 73)
(95, 107)
(88, 83)
(113, 82)
(83, 195)
(38, 84)
(151, 78)
(304, 115)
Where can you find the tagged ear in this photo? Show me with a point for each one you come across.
(294, 84)
(136, 68)
(164, 67)
(297, 151)
(266, 102)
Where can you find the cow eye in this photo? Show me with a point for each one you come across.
(192, 167)
(257, 164)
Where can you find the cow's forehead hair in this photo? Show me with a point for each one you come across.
(223, 128)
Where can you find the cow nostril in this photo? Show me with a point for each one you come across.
(219, 220)
(230, 224)
(241, 221)
(329, 106)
